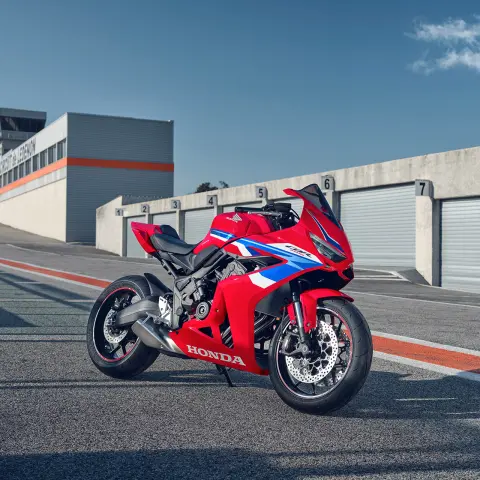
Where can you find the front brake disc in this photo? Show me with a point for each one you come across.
(315, 369)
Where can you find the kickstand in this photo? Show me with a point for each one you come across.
(223, 371)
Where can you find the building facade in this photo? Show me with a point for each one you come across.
(52, 183)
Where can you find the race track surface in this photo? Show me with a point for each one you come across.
(60, 418)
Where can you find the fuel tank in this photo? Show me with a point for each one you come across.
(228, 226)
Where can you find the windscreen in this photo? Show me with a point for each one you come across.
(313, 194)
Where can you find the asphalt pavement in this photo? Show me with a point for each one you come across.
(62, 419)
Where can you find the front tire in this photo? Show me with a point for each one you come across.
(118, 353)
(323, 384)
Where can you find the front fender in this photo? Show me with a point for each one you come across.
(309, 301)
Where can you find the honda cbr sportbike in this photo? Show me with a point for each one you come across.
(261, 293)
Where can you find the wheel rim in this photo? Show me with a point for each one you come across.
(320, 374)
(114, 344)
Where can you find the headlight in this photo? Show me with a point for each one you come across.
(327, 250)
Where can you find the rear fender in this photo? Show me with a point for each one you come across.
(309, 301)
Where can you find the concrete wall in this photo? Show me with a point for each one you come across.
(109, 227)
(454, 174)
(43, 210)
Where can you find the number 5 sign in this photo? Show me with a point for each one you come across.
(260, 192)
(423, 188)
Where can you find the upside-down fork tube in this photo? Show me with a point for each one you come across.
(309, 301)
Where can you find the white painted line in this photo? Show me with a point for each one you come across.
(20, 299)
(37, 338)
(460, 413)
(115, 383)
(411, 299)
(28, 282)
(381, 270)
(76, 256)
(394, 279)
(376, 276)
(426, 343)
(428, 366)
(30, 249)
(438, 399)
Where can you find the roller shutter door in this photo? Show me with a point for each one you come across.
(231, 208)
(165, 219)
(380, 224)
(197, 224)
(134, 249)
(461, 245)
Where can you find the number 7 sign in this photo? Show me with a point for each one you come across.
(423, 188)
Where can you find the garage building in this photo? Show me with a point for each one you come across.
(52, 183)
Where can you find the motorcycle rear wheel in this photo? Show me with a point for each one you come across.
(331, 377)
(118, 353)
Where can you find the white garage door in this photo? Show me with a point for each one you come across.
(134, 249)
(380, 224)
(461, 245)
(197, 224)
(231, 208)
(165, 219)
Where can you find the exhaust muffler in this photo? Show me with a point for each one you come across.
(156, 336)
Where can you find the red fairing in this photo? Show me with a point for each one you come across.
(237, 224)
(311, 218)
(143, 232)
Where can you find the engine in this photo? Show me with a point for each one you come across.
(196, 295)
(233, 268)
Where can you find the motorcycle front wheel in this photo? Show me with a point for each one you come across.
(336, 368)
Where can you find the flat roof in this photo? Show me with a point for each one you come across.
(19, 113)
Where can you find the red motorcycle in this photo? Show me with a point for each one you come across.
(261, 293)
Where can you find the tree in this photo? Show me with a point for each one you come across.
(207, 186)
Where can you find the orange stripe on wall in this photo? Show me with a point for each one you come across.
(88, 162)
(33, 176)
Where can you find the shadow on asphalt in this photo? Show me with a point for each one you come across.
(385, 395)
(227, 463)
(45, 291)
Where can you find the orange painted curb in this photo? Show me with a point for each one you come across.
(424, 353)
(55, 273)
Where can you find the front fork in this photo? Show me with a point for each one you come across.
(304, 347)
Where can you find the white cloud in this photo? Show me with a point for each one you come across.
(459, 44)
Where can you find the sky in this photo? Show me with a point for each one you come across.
(258, 89)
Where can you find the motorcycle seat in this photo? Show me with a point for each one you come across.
(169, 241)
(180, 252)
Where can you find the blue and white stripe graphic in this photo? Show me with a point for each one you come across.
(327, 237)
(296, 258)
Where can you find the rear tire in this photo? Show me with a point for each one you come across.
(133, 361)
(360, 342)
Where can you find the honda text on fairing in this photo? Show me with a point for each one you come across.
(261, 293)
